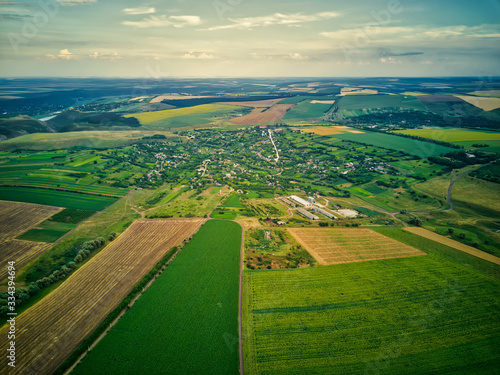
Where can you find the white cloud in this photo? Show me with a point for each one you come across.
(75, 2)
(141, 10)
(199, 56)
(63, 54)
(297, 56)
(295, 19)
(162, 21)
(105, 56)
(390, 60)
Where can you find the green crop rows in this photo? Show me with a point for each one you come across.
(186, 323)
(399, 316)
(55, 198)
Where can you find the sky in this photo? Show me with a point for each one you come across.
(249, 38)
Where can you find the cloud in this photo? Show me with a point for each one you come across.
(64, 54)
(390, 60)
(295, 19)
(105, 56)
(163, 21)
(14, 13)
(141, 10)
(75, 2)
(278, 56)
(199, 56)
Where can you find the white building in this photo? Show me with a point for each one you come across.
(299, 200)
(307, 214)
(323, 212)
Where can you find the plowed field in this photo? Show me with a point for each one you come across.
(273, 114)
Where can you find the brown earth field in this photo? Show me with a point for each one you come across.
(342, 245)
(273, 114)
(454, 244)
(21, 252)
(49, 331)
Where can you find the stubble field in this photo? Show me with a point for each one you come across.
(334, 246)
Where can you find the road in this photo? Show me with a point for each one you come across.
(272, 140)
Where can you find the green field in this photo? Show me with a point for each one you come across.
(306, 109)
(233, 201)
(48, 231)
(410, 146)
(72, 215)
(361, 102)
(183, 117)
(417, 315)
(55, 198)
(187, 321)
(453, 135)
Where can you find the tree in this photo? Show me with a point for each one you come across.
(112, 236)
(451, 230)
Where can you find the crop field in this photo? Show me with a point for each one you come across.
(448, 105)
(181, 117)
(418, 315)
(72, 215)
(47, 231)
(55, 326)
(307, 109)
(187, 321)
(410, 146)
(453, 135)
(91, 139)
(18, 217)
(273, 114)
(21, 252)
(361, 102)
(330, 130)
(273, 249)
(454, 244)
(334, 246)
(56, 198)
(486, 104)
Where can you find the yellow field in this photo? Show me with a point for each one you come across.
(485, 103)
(455, 244)
(49, 331)
(149, 117)
(322, 101)
(334, 246)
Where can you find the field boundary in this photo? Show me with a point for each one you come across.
(120, 310)
(454, 244)
(240, 297)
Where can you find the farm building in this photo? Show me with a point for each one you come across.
(323, 212)
(299, 200)
(288, 202)
(311, 200)
(307, 214)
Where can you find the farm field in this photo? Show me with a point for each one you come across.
(47, 231)
(273, 249)
(360, 102)
(182, 117)
(453, 135)
(267, 207)
(334, 246)
(187, 321)
(307, 109)
(273, 114)
(448, 105)
(394, 316)
(55, 326)
(19, 217)
(16, 219)
(56, 198)
(454, 244)
(393, 142)
(254, 104)
(92, 139)
(485, 103)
